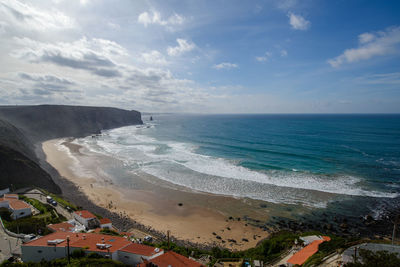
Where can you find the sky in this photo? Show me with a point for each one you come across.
(199, 56)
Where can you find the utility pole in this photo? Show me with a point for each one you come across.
(395, 221)
(355, 254)
(168, 238)
(69, 260)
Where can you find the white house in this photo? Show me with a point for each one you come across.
(4, 191)
(105, 223)
(86, 218)
(18, 208)
(134, 254)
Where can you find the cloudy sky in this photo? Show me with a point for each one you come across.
(217, 56)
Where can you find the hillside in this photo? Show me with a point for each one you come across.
(44, 122)
(23, 128)
(19, 171)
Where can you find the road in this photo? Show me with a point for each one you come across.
(36, 194)
(7, 242)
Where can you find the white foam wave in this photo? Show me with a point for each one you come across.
(135, 148)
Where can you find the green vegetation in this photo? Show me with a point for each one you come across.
(43, 208)
(268, 250)
(76, 262)
(35, 224)
(328, 248)
(377, 259)
(109, 232)
(60, 200)
(31, 225)
(5, 214)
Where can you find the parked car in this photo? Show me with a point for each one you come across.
(49, 199)
(148, 238)
(53, 202)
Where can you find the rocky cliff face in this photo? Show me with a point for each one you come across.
(46, 122)
(22, 128)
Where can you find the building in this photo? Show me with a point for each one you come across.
(170, 258)
(88, 219)
(301, 256)
(61, 227)
(104, 245)
(18, 208)
(105, 223)
(134, 254)
(55, 245)
(4, 191)
(49, 247)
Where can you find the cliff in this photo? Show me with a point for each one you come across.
(23, 128)
(44, 122)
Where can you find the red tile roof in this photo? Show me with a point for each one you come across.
(105, 221)
(18, 205)
(171, 258)
(140, 249)
(61, 227)
(88, 241)
(92, 240)
(42, 241)
(301, 256)
(85, 214)
(15, 203)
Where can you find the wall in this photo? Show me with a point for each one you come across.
(21, 213)
(36, 253)
(133, 259)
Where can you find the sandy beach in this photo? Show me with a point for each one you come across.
(201, 218)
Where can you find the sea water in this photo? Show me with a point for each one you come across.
(309, 160)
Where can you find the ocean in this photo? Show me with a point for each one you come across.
(308, 160)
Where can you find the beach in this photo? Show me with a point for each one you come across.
(192, 216)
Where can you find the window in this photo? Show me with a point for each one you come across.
(39, 251)
(127, 257)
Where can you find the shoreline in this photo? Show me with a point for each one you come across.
(203, 219)
(220, 209)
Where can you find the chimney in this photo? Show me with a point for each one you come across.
(84, 237)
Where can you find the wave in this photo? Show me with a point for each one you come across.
(179, 163)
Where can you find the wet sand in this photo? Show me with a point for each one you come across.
(201, 218)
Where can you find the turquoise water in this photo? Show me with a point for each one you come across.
(297, 159)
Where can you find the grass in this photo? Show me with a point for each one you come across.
(268, 250)
(109, 232)
(60, 200)
(43, 208)
(35, 224)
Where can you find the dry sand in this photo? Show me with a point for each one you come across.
(200, 219)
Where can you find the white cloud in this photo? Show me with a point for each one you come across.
(284, 53)
(370, 45)
(298, 22)
(285, 4)
(264, 58)
(183, 47)
(94, 55)
(28, 17)
(153, 58)
(225, 65)
(113, 26)
(146, 18)
(84, 2)
(382, 78)
(366, 37)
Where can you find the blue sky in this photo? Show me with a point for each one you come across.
(269, 56)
